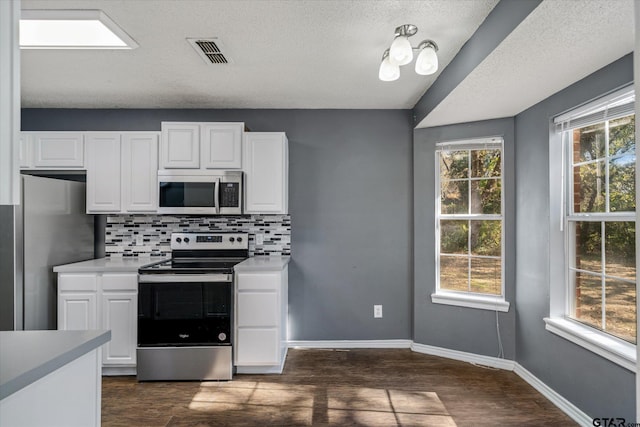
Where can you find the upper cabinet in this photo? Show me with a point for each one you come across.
(122, 172)
(52, 150)
(187, 145)
(266, 167)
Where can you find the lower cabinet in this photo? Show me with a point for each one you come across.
(103, 301)
(261, 321)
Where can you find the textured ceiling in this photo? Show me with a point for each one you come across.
(559, 43)
(286, 54)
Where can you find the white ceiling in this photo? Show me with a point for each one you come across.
(323, 54)
(286, 54)
(559, 43)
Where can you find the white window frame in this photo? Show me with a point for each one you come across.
(462, 298)
(559, 321)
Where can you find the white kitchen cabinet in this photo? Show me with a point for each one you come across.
(261, 321)
(201, 145)
(77, 304)
(221, 145)
(103, 301)
(103, 172)
(180, 146)
(58, 150)
(119, 313)
(139, 172)
(77, 311)
(266, 167)
(122, 170)
(26, 150)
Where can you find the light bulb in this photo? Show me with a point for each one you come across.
(400, 52)
(388, 71)
(427, 62)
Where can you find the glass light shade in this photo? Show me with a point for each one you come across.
(400, 52)
(388, 71)
(427, 62)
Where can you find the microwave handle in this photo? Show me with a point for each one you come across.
(216, 195)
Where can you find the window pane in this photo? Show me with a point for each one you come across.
(486, 276)
(621, 309)
(455, 197)
(454, 164)
(620, 249)
(622, 184)
(486, 196)
(589, 246)
(589, 187)
(486, 237)
(589, 143)
(454, 237)
(485, 163)
(454, 273)
(588, 307)
(621, 137)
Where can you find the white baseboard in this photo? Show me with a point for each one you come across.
(108, 371)
(352, 344)
(563, 404)
(477, 359)
(267, 369)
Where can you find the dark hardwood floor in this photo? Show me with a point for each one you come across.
(358, 387)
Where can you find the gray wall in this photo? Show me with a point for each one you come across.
(597, 386)
(459, 328)
(350, 200)
(7, 269)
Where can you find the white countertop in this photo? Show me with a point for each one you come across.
(263, 263)
(27, 356)
(111, 265)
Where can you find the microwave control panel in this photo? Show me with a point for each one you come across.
(229, 194)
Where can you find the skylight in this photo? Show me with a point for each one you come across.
(71, 29)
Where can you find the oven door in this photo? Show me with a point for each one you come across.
(184, 310)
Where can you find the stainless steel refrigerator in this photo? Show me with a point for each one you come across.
(49, 228)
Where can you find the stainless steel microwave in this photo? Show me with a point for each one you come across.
(195, 192)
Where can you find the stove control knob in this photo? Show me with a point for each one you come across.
(178, 239)
(231, 239)
(186, 240)
(222, 336)
(239, 239)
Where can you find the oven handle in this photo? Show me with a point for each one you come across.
(184, 278)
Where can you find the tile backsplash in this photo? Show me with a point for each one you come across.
(149, 235)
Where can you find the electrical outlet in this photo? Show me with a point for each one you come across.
(259, 239)
(139, 241)
(377, 311)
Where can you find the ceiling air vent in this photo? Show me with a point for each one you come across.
(210, 50)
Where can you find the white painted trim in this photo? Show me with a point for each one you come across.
(108, 371)
(265, 369)
(476, 359)
(481, 302)
(352, 344)
(563, 404)
(611, 348)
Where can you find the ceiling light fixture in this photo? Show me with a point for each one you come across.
(71, 29)
(401, 53)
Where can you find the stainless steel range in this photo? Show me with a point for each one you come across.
(185, 309)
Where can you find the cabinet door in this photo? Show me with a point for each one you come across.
(26, 150)
(139, 172)
(257, 346)
(103, 172)
(58, 150)
(77, 311)
(119, 314)
(258, 309)
(221, 145)
(266, 172)
(180, 146)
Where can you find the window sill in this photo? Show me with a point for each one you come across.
(481, 302)
(611, 348)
